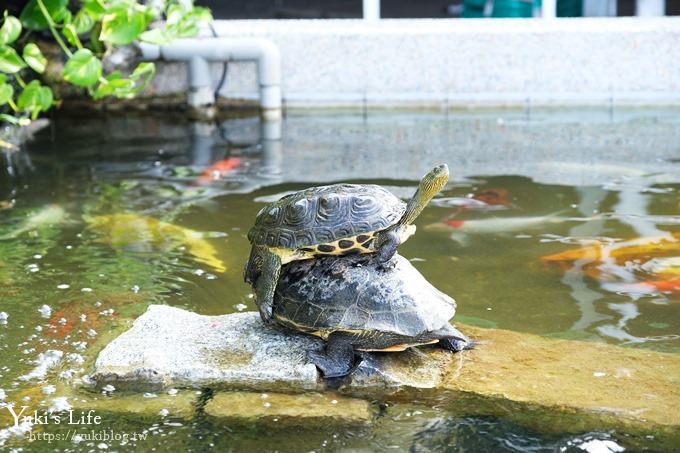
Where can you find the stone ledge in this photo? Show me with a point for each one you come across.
(626, 386)
(424, 63)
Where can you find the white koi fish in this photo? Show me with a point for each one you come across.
(49, 215)
(460, 229)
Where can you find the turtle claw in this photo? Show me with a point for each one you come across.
(328, 367)
(266, 314)
(387, 265)
(456, 344)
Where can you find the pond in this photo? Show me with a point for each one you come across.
(558, 223)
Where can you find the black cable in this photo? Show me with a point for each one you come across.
(223, 77)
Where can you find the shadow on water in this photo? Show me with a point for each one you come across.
(183, 196)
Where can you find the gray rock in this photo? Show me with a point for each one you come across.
(170, 347)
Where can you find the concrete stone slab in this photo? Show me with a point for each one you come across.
(179, 404)
(168, 346)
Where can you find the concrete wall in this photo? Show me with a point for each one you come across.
(449, 64)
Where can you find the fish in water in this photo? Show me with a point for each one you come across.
(642, 249)
(218, 170)
(464, 204)
(461, 229)
(493, 197)
(47, 216)
(139, 233)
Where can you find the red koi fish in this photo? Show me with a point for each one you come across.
(663, 285)
(493, 197)
(218, 170)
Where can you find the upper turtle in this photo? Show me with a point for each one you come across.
(325, 214)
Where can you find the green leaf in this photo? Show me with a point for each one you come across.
(33, 18)
(34, 58)
(94, 7)
(10, 119)
(67, 18)
(159, 36)
(71, 35)
(115, 85)
(83, 68)
(120, 87)
(174, 14)
(10, 30)
(3, 78)
(146, 70)
(35, 98)
(123, 23)
(84, 21)
(10, 61)
(6, 93)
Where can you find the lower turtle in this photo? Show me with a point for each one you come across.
(356, 303)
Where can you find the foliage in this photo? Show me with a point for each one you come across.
(84, 36)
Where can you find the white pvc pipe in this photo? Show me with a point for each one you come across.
(650, 8)
(371, 9)
(549, 9)
(198, 51)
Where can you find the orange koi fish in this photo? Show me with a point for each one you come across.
(218, 170)
(641, 249)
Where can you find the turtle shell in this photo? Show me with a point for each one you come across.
(358, 293)
(320, 215)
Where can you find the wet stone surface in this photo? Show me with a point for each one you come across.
(171, 347)
(289, 409)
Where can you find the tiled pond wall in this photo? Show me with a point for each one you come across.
(450, 64)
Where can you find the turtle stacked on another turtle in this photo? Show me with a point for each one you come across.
(341, 220)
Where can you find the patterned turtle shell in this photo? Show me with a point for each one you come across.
(358, 294)
(325, 214)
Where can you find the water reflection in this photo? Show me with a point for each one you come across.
(552, 196)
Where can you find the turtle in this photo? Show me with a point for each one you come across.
(339, 219)
(357, 304)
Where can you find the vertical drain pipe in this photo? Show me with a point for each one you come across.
(198, 52)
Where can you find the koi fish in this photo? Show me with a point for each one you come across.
(464, 203)
(663, 285)
(218, 170)
(49, 215)
(493, 197)
(643, 249)
(647, 287)
(141, 233)
(668, 267)
(461, 229)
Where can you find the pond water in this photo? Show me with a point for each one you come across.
(554, 223)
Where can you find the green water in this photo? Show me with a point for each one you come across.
(564, 180)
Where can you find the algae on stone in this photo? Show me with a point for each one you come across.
(289, 409)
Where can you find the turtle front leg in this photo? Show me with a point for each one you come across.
(387, 244)
(265, 286)
(338, 359)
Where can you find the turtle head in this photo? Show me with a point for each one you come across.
(433, 182)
